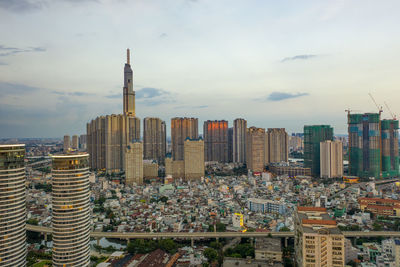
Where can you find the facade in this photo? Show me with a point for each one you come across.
(255, 147)
(380, 206)
(277, 145)
(216, 140)
(12, 205)
(318, 240)
(194, 159)
(154, 139)
(182, 128)
(71, 217)
(134, 164)
(331, 157)
(364, 145)
(67, 143)
(239, 140)
(75, 142)
(268, 249)
(230, 144)
(82, 141)
(313, 136)
(150, 169)
(108, 136)
(295, 143)
(390, 148)
(129, 93)
(266, 206)
(291, 171)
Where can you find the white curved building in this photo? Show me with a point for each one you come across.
(12, 206)
(71, 213)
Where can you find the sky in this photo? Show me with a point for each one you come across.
(275, 63)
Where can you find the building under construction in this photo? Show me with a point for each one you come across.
(373, 146)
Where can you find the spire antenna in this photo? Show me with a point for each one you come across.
(128, 57)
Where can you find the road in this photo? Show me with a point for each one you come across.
(196, 235)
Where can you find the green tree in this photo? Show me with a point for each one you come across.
(211, 254)
(284, 229)
(168, 245)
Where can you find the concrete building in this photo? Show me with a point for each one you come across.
(71, 217)
(266, 206)
(154, 139)
(239, 140)
(75, 142)
(134, 164)
(380, 206)
(291, 171)
(313, 136)
(215, 135)
(331, 159)
(12, 206)
(268, 249)
(108, 136)
(67, 143)
(194, 159)
(295, 143)
(277, 145)
(255, 147)
(318, 240)
(82, 141)
(182, 128)
(230, 144)
(150, 169)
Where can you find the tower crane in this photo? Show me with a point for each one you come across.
(391, 113)
(380, 109)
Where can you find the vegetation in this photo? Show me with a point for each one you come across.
(142, 246)
(288, 256)
(109, 249)
(284, 229)
(32, 221)
(45, 187)
(33, 258)
(353, 227)
(240, 251)
(97, 260)
(211, 254)
(220, 227)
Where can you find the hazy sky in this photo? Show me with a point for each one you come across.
(274, 63)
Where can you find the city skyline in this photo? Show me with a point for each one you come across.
(268, 57)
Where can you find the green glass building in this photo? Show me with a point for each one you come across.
(313, 136)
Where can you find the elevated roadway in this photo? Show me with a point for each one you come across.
(196, 235)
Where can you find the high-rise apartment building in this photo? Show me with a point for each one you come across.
(75, 142)
(134, 164)
(194, 159)
(239, 140)
(67, 143)
(71, 217)
(331, 156)
(255, 147)
(295, 143)
(108, 136)
(313, 136)
(318, 240)
(12, 206)
(230, 144)
(216, 140)
(82, 141)
(277, 145)
(182, 128)
(154, 139)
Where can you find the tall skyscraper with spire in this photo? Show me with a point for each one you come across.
(108, 136)
(129, 93)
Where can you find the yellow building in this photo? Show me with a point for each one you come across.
(134, 164)
(194, 159)
(318, 240)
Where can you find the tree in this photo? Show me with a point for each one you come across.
(215, 245)
(377, 227)
(284, 229)
(168, 245)
(164, 199)
(32, 221)
(211, 254)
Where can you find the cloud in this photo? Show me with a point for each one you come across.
(279, 96)
(115, 96)
(148, 92)
(16, 89)
(8, 51)
(299, 57)
(163, 35)
(3, 63)
(21, 6)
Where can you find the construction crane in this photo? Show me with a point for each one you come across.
(380, 109)
(391, 113)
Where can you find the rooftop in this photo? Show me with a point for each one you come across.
(270, 244)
